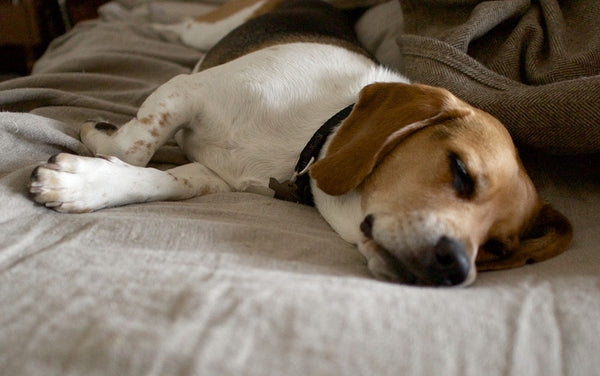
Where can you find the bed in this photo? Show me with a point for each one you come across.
(242, 284)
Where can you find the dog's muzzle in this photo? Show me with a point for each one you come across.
(444, 264)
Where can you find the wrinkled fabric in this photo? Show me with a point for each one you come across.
(533, 64)
(241, 284)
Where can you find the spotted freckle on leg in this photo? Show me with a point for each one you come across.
(164, 119)
(135, 147)
(147, 120)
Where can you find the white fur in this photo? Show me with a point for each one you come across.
(76, 184)
(343, 213)
(245, 121)
(241, 123)
(264, 107)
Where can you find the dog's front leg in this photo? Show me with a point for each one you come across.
(75, 184)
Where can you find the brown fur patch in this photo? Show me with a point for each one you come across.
(232, 7)
(289, 23)
(549, 234)
(164, 119)
(135, 147)
(147, 120)
(384, 115)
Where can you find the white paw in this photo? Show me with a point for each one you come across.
(73, 184)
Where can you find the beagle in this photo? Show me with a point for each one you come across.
(429, 188)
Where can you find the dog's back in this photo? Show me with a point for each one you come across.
(290, 21)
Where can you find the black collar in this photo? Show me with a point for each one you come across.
(298, 188)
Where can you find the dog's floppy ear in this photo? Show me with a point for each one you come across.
(549, 236)
(385, 114)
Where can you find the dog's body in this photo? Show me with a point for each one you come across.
(418, 179)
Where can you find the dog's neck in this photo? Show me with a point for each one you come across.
(297, 189)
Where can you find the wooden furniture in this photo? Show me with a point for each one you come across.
(80, 10)
(26, 28)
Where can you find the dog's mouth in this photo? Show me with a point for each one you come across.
(390, 268)
(385, 265)
(441, 262)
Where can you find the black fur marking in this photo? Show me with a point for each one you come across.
(53, 158)
(105, 127)
(35, 174)
(292, 21)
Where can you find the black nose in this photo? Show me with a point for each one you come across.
(451, 264)
(367, 226)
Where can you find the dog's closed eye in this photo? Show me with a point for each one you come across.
(462, 181)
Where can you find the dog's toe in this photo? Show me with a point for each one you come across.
(35, 175)
(63, 162)
(57, 184)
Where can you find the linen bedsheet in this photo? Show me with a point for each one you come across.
(242, 284)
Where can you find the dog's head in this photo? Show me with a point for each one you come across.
(443, 191)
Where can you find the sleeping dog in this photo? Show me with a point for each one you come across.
(429, 188)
